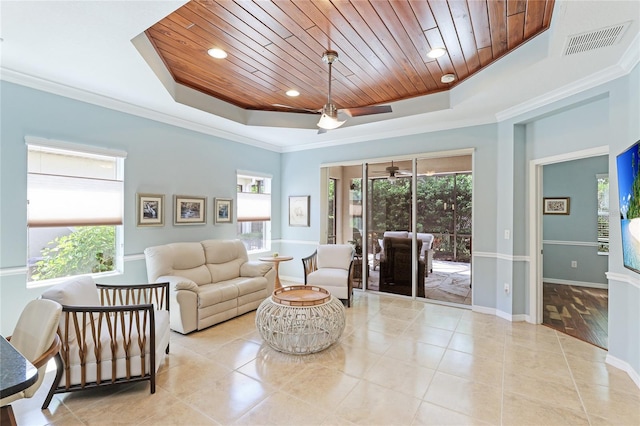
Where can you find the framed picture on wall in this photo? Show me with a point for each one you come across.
(222, 210)
(189, 210)
(558, 205)
(299, 210)
(150, 209)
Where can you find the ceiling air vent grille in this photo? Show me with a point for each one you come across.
(595, 39)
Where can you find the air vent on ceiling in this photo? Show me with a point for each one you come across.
(591, 40)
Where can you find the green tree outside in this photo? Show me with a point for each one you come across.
(89, 249)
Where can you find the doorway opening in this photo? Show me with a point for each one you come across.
(569, 288)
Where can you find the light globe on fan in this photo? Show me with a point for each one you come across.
(329, 112)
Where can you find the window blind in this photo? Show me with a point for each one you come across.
(254, 207)
(67, 188)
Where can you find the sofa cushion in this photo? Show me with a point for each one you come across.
(223, 251)
(181, 259)
(255, 269)
(224, 271)
(398, 234)
(248, 285)
(184, 284)
(212, 294)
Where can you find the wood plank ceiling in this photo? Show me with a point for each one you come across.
(274, 46)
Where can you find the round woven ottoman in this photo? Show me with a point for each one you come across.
(300, 319)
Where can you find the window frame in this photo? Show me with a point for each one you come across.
(601, 213)
(88, 151)
(266, 237)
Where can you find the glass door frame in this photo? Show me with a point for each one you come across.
(414, 158)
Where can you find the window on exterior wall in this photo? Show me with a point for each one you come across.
(74, 210)
(603, 213)
(254, 211)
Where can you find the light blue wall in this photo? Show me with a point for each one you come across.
(575, 179)
(161, 159)
(305, 166)
(166, 159)
(605, 115)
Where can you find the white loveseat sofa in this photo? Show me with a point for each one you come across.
(210, 281)
(426, 253)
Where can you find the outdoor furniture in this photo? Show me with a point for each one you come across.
(395, 267)
(24, 358)
(330, 267)
(300, 319)
(111, 334)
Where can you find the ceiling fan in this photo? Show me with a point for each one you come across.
(329, 112)
(393, 172)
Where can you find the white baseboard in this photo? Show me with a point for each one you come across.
(624, 366)
(500, 314)
(575, 283)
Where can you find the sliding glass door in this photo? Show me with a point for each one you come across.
(421, 205)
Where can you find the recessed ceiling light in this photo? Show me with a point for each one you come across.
(217, 53)
(447, 78)
(293, 93)
(437, 52)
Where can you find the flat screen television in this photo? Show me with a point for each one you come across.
(628, 164)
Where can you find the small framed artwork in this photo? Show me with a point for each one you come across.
(150, 209)
(556, 205)
(299, 210)
(188, 210)
(222, 210)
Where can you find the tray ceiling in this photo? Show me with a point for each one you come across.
(274, 46)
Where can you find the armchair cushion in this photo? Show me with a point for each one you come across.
(330, 268)
(78, 291)
(334, 256)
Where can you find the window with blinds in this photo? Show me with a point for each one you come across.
(254, 211)
(74, 209)
(603, 213)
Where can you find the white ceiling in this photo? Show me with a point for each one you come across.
(84, 50)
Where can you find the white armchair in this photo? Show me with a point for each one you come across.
(110, 334)
(36, 339)
(329, 267)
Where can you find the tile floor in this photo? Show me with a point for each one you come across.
(449, 282)
(399, 362)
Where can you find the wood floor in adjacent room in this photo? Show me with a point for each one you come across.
(581, 312)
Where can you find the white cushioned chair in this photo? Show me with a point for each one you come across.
(329, 267)
(35, 338)
(110, 334)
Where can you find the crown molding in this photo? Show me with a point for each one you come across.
(625, 65)
(48, 86)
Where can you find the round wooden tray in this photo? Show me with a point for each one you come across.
(301, 295)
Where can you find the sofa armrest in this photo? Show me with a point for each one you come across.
(255, 269)
(179, 283)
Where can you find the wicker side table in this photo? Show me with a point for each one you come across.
(300, 319)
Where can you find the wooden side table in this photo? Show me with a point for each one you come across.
(276, 264)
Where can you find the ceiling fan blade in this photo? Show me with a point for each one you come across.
(315, 111)
(367, 110)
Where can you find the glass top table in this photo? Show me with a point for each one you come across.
(16, 372)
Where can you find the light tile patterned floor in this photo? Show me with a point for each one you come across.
(399, 362)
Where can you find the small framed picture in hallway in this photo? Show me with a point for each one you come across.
(558, 205)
